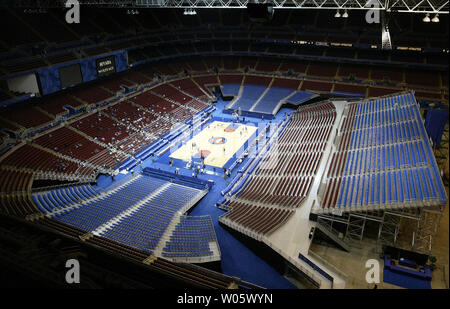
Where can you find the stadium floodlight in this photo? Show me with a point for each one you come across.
(426, 19)
(345, 15)
(435, 19)
(189, 12)
(337, 15)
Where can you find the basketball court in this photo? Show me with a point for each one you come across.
(217, 143)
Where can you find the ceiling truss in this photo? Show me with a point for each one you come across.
(403, 6)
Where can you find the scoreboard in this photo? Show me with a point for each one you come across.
(106, 66)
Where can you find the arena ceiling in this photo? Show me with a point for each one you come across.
(404, 6)
(419, 6)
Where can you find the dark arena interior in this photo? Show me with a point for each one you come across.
(211, 144)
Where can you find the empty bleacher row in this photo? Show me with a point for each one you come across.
(5, 143)
(295, 157)
(271, 99)
(349, 77)
(101, 128)
(299, 97)
(257, 219)
(130, 114)
(57, 105)
(132, 124)
(187, 85)
(50, 110)
(250, 94)
(181, 114)
(145, 227)
(134, 142)
(395, 169)
(92, 94)
(191, 237)
(193, 274)
(14, 193)
(115, 130)
(385, 157)
(27, 118)
(173, 94)
(92, 214)
(30, 158)
(55, 199)
(97, 92)
(381, 115)
(154, 103)
(207, 80)
(283, 176)
(70, 143)
(262, 95)
(166, 100)
(414, 187)
(380, 135)
(137, 213)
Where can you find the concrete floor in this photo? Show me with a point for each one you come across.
(441, 251)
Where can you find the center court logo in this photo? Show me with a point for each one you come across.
(217, 140)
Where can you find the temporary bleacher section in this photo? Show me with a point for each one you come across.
(59, 198)
(185, 272)
(145, 212)
(262, 97)
(271, 101)
(192, 236)
(280, 178)
(300, 97)
(253, 88)
(282, 91)
(382, 159)
(230, 84)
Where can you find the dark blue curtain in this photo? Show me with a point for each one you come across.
(121, 61)
(49, 78)
(435, 121)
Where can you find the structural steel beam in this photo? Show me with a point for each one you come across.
(404, 6)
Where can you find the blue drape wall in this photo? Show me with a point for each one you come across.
(434, 124)
(50, 79)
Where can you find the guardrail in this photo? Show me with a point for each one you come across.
(316, 268)
(295, 262)
(48, 188)
(333, 268)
